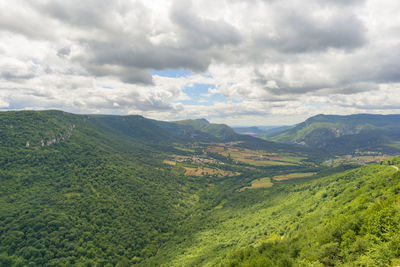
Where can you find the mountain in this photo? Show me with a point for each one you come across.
(254, 130)
(100, 190)
(261, 131)
(276, 130)
(200, 130)
(86, 190)
(346, 134)
(221, 131)
(95, 189)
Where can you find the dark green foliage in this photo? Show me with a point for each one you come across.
(93, 197)
(220, 131)
(346, 134)
(93, 191)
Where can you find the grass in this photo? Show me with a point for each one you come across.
(262, 159)
(259, 183)
(293, 176)
(268, 163)
(185, 149)
(202, 171)
(169, 162)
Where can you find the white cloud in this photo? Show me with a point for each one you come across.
(273, 61)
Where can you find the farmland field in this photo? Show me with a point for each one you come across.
(169, 162)
(202, 171)
(259, 183)
(293, 176)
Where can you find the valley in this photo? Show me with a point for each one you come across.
(126, 190)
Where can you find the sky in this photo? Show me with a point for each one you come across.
(254, 62)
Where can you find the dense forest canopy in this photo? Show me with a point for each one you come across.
(97, 190)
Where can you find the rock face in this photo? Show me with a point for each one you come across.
(54, 140)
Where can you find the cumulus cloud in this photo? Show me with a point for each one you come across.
(266, 59)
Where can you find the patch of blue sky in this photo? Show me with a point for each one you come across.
(199, 95)
(236, 101)
(317, 105)
(172, 73)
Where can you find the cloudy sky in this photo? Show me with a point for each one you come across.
(254, 62)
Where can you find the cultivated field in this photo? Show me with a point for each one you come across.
(259, 183)
(202, 171)
(293, 176)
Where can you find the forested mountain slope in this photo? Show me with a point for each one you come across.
(93, 189)
(97, 190)
(262, 131)
(78, 191)
(346, 219)
(346, 134)
(221, 131)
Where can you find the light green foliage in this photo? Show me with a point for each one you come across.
(340, 135)
(344, 219)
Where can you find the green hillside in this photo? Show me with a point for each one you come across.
(346, 219)
(220, 131)
(93, 189)
(93, 196)
(346, 134)
(98, 190)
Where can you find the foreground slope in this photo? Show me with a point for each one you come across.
(346, 134)
(346, 219)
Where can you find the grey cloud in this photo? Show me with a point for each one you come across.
(132, 62)
(145, 55)
(28, 24)
(298, 32)
(286, 89)
(6, 75)
(125, 74)
(370, 66)
(349, 89)
(90, 13)
(343, 2)
(388, 69)
(202, 33)
(65, 51)
(260, 78)
(85, 101)
(333, 2)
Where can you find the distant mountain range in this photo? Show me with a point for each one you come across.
(262, 131)
(345, 134)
